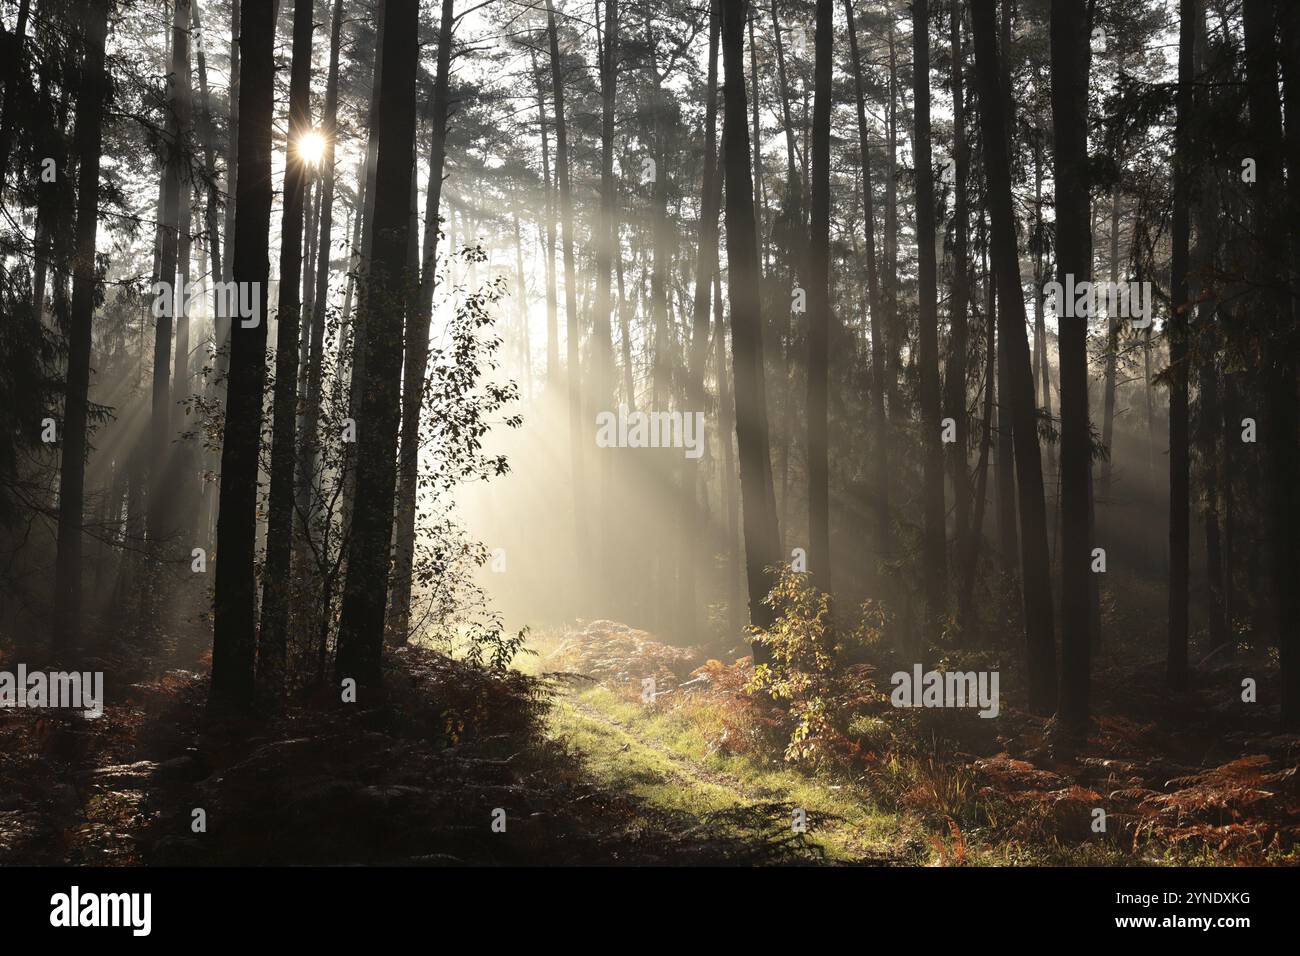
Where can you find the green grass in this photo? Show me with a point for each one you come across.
(666, 755)
(662, 756)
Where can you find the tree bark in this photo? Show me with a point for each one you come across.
(758, 501)
(273, 638)
(1176, 332)
(933, 548)
(417, 344)
(365, 590)
(1035, 568)
(1270, 208)
(233, 646)
(87, 141)
(310, 439)
(820, 305)
(1069, 51)
(572, 333)
(161, 510)
(880, 460)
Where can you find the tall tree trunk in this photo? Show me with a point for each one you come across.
(758, 499)
(601, 393)
(552, 306)
(760, 192)
(72, 471)
(572, 329)
(933, 547)
(971, 555)
(1176, 332)
(789, 228)
(207, 137)
(417, 344)
(1112, 357)
(361, 618)
(357, 379)
(819, 306)
(1035, 568)
(957, 359)
(233, 647)
(161, 510)
(880, 460)
(273, 638)
(726, 426)
(894, 334)
(310, 439)
(1070, 62)
(1270, 208)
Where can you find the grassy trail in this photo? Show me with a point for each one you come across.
(662, 756)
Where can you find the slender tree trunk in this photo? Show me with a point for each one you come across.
(574, 374)
(233, 647)
(1112, 356)
(760, 193)
(552, 305)
(361, 618)
(971, 555)
(819, 306)
(310, 439)
(208, 137)
(417, 344)
(273, 638)
(726, 426)
(894, 334)
(161, 511)
(357, 379)
(1070, 61)
(960, 294)
(880, 460)
(933, 548)
(1270, 207)
(601, 393)
(1035, 569)
(758, 498)
(1176, 332)
(72, 472)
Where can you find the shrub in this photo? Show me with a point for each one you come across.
(817, 695)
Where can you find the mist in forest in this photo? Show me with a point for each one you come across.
(758, 348)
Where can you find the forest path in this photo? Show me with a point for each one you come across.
(649, 755)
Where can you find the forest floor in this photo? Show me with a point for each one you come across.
(448, 764)
(569, 764)
(931, 789)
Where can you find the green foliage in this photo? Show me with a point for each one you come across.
(810, 674)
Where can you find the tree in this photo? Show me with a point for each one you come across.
(955, 380)
(233, 647)
(72, 472)
(1279, 372)
(933, 557)
(1176, 332)
(384, 300)
(758, 499)
(175, 184)
(570, 286)
(1034, 563)
(880, 473)
(273, 638)
(309, 438)
(819, 305)
(1070, 46)
(417, 342)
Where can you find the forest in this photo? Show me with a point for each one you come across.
(683, 433)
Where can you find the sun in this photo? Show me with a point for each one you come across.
(311, 147)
